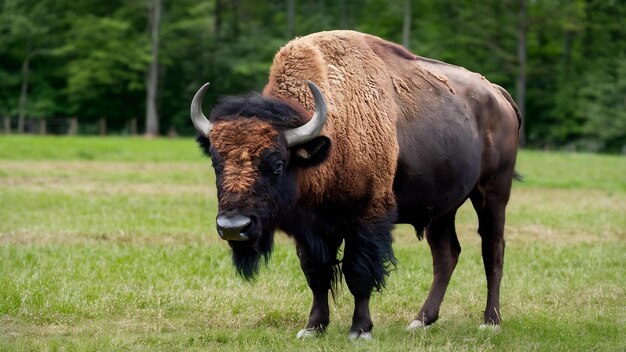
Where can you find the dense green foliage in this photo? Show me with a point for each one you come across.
(89, 59)
(109, 244)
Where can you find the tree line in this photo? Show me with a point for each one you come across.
(564, 61)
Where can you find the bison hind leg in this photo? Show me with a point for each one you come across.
(445, 250)
(489, 201)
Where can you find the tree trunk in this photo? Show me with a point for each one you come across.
(520, 83)
(42, 127)
(217, 14)
(291, 11)
(133, 127)
(73, 126)
(406, 26)
(7, 125)
(102, 126)
(24, 90)
(152, 80)
(236, 18)
(587, 47)
(343, 14)
(568, 38)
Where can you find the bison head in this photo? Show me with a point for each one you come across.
(256, 150)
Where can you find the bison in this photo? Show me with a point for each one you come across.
(380, 136)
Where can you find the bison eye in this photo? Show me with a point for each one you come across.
(278, 168)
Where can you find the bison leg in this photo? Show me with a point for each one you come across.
(320, 276)
(367, 257)
(490, 202)
(445, 250)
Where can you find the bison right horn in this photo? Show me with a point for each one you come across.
(312, 128)
(202, 124)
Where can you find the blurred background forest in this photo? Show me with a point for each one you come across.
(564, 61)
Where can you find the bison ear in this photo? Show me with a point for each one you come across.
(310, 153)
(204, 144)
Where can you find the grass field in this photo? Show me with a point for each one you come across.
(110, 244)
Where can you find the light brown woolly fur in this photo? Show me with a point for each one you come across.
(362, 115)
(373, 89)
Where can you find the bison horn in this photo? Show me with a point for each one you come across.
(312, 128)
(202, 124)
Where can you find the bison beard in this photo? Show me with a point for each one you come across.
(247, 258)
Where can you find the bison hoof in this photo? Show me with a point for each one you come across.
(490, 327)
(361, 335)
(306, 333)
(418, 324)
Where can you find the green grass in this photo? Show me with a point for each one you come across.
(109, 244)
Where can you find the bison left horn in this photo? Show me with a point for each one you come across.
(202, 124)
(312, 128)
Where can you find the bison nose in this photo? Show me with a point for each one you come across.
(232, 228)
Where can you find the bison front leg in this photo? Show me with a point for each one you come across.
(320, 274)
(366, 260)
